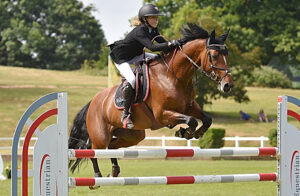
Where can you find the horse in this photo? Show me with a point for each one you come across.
(171, 99)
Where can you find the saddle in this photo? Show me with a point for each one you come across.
(141, 91)
(141, 88)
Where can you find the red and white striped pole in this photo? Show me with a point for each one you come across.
(165, 153)
(159, 180)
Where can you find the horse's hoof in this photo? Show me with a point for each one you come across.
(94, 187)
(180, 132)
(189, 133)
(115, 171)
(112, 176)
(199, 133)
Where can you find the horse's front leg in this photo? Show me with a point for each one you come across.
(196, 111)
(171, 118)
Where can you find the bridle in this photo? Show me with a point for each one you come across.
(212, 74)
(221, 48)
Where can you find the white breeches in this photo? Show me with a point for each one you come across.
(126, 71)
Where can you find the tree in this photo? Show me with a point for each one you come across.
(272, 25)
(5, 17)
(168, 8)
(52, 34)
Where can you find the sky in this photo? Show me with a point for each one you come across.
(114, 15)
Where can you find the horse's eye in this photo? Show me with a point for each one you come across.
(215, 56)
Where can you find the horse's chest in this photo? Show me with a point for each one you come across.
(177, 102)
(173, 95)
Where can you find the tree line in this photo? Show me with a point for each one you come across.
(49, 34)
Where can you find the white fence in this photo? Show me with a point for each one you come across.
(189, 143)
(164, 139)
(11, 139)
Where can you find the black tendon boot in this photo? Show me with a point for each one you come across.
(126, 118)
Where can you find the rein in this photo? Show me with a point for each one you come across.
(164, 60)
(167, 65)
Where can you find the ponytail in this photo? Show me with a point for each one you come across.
(135, 21)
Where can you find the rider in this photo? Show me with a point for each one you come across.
(129, 51)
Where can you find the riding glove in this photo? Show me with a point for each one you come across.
(174, 43)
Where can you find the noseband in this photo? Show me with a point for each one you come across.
(221, 48)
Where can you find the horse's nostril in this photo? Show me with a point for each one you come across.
(226, 87)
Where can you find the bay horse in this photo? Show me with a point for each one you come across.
(171, 98)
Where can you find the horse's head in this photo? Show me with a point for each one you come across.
(212, 54)
(217, 54)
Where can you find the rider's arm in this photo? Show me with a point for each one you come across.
(160, 40)
(144, 40)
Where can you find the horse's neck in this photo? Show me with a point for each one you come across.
(182, 66)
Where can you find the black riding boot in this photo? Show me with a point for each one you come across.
(128, 96)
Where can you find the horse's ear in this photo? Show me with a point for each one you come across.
(213, 35)
(224, 35)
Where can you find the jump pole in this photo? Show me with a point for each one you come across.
(51, 156)
(167, 153)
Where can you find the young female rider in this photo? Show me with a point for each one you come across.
(129, 51)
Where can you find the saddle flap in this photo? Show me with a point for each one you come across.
(142, 87)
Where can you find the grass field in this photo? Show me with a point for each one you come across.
(19, 87)
(135, 168)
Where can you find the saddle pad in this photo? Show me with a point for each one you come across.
(143, 90)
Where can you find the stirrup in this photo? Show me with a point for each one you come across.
(127, 122)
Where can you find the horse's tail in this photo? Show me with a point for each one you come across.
(79, 137)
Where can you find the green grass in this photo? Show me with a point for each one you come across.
(135, 168)
(19, 87)
(227, 116)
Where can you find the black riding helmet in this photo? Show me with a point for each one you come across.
(148, 10)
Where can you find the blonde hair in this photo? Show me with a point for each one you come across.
(135, 21)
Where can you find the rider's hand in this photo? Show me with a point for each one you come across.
(174, 43)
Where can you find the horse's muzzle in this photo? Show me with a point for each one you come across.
(227, 86)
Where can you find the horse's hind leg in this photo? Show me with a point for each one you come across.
(115, 172)
(95, 164)
(96, 167)
(100, 138)
(115, 166)
(123, 138)
(96, 170)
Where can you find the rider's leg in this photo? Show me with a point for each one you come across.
(128, 96)
(136, 60)
(151, 55)
(125, 70)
